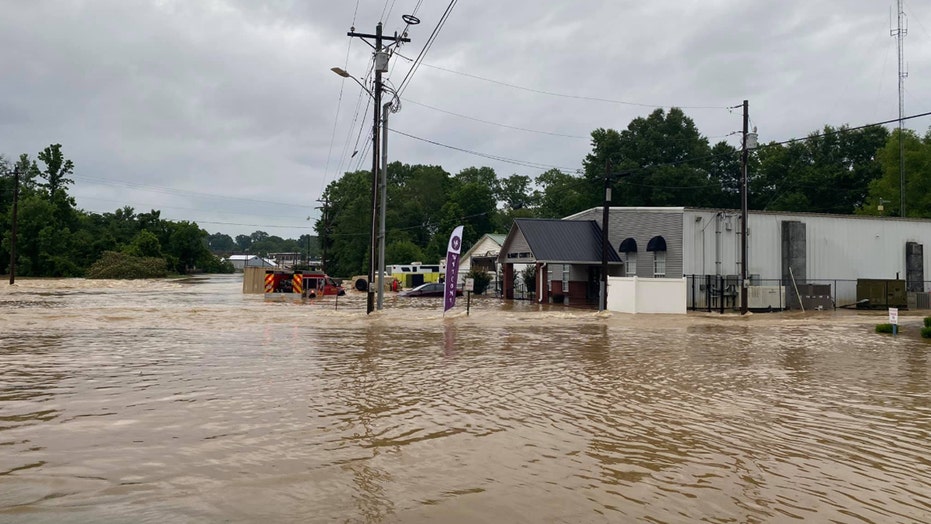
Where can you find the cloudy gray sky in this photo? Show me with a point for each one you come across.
(225, 112)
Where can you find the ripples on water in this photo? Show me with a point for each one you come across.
(188, 401)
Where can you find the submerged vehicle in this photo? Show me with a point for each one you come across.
(434, 289)
(306, 284)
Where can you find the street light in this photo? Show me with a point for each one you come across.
(382, 57)
(379, 177)
(345, 74)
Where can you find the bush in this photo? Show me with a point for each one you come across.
(480, 280)
(529, 277)
(927, 321)
(926, 332)
(884, 328)
(120, 265)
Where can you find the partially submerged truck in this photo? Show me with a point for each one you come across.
(303, 285)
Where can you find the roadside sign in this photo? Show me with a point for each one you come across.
(469, 284)
(894, 316)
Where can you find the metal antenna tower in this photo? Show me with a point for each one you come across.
(899, 32)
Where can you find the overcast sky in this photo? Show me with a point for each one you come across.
(225, 112)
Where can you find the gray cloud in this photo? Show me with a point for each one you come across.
(225, 112)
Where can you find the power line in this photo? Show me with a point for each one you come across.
(494, 123)
(524, 163)
(419, 60)
(561, 95)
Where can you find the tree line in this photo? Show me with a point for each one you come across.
(658, 160)
(56, 239)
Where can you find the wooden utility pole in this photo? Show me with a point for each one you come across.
(13, 232)
(381, 66)
(744, 210)
(603, 291)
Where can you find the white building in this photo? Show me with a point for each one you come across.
(243, 261)
(794, 259)
(798, 251)
(484, 255)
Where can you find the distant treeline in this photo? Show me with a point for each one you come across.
(658, 160)
(55, 239)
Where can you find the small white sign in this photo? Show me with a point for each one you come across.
(469, 284)
(894, 315)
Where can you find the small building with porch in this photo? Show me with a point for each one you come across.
(566, 256)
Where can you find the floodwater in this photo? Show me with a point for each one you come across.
(187, 401)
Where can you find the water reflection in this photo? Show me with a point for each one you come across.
(190, 401)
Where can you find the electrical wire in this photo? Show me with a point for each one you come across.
(494, 123)
(524, 163)
(416, 63)
(563, 95)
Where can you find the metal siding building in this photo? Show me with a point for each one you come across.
(643, 224)
(825, 249)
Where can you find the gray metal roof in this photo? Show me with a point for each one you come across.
(566, 241)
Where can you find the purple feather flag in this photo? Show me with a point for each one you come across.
(452, 269)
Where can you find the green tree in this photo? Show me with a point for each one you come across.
(917, 177)
(471, 203)
(416, 195)
(480, 278)
(57, 169)
(188, 245)
(666, 161)
(563, 194)
(243, 242)
(220, 243)
(350, 223)
(829, 172)
(145, 244)
(402, 252)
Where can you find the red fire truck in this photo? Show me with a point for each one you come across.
(306, 284)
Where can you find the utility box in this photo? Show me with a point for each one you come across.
(810, 296)
(881, 293)
(919, 300)
(766, 298)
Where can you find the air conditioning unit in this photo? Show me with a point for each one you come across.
(766, 297)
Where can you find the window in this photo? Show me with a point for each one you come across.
(628, 250)
(659, 263)
(657, 245)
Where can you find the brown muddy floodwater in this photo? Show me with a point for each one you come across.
(187, 401)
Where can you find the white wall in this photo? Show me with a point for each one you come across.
(843, 248)
(647, 295)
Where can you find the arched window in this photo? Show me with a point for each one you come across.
(628, 252)
(657, 245)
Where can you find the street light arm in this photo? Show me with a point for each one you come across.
(343, 73)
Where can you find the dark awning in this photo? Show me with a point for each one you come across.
(629, 245)
(657, 244)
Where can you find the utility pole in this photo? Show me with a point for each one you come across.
(383, 200)
(603, 291)
(381, 66)
(13, 232)
(326, 230)
(744, 210)
(900, 32)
